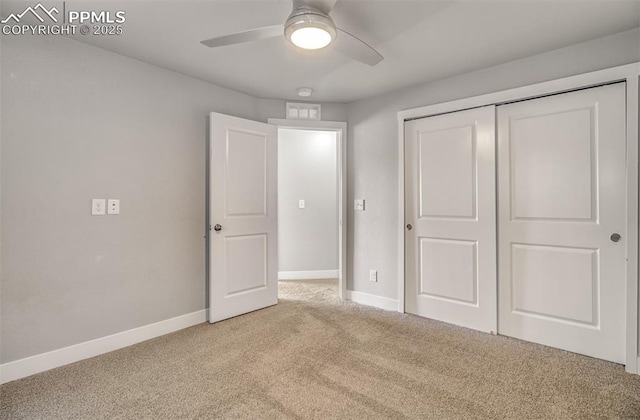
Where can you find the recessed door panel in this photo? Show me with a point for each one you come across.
(561, 196)
(447, 154)
(449, 269)
(450, 193)
(245, 263)
(568, 272)
(553, 164)
(245, 173)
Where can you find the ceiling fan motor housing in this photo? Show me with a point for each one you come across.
(309, 17)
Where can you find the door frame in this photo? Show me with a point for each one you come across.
(340, 128)
(629, 73)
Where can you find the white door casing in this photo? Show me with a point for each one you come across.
(450, 202)
(562, 184)
(243, 263)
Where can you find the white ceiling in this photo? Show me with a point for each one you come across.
(420, 40)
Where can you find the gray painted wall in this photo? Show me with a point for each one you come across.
(307, 170)
(373, 145)
(78, 123)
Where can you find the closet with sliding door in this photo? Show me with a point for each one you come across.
(516, 217)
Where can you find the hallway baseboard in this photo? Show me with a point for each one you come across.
(372, 300)
(307, 275)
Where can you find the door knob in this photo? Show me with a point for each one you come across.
(616, 237)
(409, 227)
(217, 228)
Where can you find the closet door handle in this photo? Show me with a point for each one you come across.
(409, 227)
(217, 228)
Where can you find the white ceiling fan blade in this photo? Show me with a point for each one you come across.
(355, 48)
(322, 5)
(246, 36)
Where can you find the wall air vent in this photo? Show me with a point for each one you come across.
(303, 111)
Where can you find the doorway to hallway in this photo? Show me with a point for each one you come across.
(309, 207)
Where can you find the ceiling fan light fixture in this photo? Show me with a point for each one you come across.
(310, 29)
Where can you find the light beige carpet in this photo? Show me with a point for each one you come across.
(312, 356)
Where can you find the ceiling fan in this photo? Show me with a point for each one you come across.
(310, 27)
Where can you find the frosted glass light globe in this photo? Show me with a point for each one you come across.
(311, 38)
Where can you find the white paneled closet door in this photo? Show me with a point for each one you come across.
(450, 237)
(562, 219)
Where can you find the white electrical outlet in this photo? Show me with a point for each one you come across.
(359, 205)
(98, 207)
(113, 206)
(300, 204)
(373, 276)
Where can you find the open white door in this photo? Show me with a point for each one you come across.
(243, 244)
(451, 220)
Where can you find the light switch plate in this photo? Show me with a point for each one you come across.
(300, 204)
(113, 206)
(359, 205)
(373, 276)
(98, 207)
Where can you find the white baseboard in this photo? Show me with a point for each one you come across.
(633, 367)
(45, 361)
(372, 300)
(308, 275)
